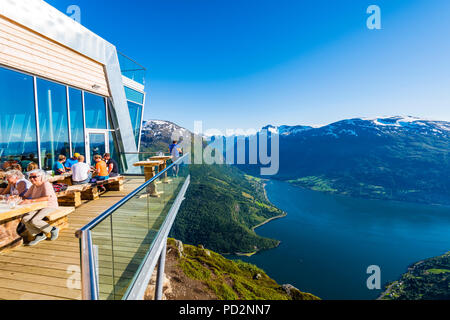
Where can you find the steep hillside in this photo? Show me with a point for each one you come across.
(425, 280)
(195, 273)
(224, 204)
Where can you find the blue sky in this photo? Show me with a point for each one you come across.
(246, 64)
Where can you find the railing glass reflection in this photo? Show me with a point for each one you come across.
(121, 238)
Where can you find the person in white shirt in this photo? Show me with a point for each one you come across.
(81, 172)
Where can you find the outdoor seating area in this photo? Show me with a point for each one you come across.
(51, 270)
(70, 194)
(18, 198)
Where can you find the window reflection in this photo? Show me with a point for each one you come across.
(76, 121)
(53, 122)
(134, 95)
(18, 132)
(18, 140)
(95, 111)
(136, 117)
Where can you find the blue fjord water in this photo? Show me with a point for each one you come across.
(329, 241)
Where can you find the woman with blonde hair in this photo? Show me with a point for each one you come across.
(17, 184)
(32, 166)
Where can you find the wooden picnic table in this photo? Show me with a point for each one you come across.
(150, 172)
(9, 221)
(163, 166)
(64, 178)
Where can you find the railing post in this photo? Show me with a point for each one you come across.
(160, 275)
(88, 267)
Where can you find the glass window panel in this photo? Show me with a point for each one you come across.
(76, 121)
(18, 139)
(134, 95)
(97, 145)
(53, 122)
(136, 115)
(95, 109)
(113, 149)
(111, 114)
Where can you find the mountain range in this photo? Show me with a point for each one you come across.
(398, 158)
(157, 135)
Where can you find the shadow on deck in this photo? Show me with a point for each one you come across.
(51, 270)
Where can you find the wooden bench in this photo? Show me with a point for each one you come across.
(113, 184)
(74, 195)
(58, 218)
(65, 178)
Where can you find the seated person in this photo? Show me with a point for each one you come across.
(81, 172)
(8, 163)
(24, 162)
(17, 184)
(58, 167)
(113, 167)
(32, 166)
(70, 162)
(101, 168)
(41, 190)
(17, 167)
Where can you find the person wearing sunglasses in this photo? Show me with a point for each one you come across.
(41, 190)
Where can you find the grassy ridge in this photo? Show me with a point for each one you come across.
(232, 280)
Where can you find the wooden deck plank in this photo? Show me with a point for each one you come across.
(9, 294)
(43, 272)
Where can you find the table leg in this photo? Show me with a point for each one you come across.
(9, 238)
(151, 189)
(166, 179)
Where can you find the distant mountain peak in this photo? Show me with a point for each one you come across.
(287, 130)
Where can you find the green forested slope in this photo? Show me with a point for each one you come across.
(222, 205)
(232, 280)
(425, 280)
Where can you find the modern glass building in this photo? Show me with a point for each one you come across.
(64, 90)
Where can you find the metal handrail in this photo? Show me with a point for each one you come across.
(119, 204)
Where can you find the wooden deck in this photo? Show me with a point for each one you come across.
(51, 270)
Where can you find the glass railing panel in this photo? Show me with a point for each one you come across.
(103, 256)
(122, 241)
(131, 69)
(169, 189)
(132, 235)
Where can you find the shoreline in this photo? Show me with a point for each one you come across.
(249, 254)
(369, 198)
(264, 184)
(269, 220)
